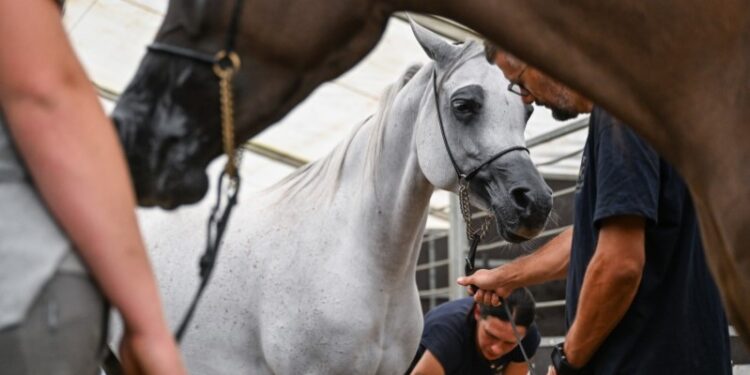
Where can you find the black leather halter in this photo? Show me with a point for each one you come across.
(221, 57)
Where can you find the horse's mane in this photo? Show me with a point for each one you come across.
(321, 178)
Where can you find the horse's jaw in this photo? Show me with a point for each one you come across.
(166, 188)
(515, 192)
(166, 147)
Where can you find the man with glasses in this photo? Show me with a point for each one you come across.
(639, 296)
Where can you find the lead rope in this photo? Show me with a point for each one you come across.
(225, 66)
(475, 237)
(469, 269)
(225, 74)
(518, 336)
(227, 63)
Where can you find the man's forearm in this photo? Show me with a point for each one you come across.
(546, 264)
(604, 300)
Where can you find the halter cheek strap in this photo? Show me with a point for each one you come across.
(459, 173)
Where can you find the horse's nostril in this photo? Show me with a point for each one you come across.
(520, 197)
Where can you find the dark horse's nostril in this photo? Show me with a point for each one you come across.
(520, 197)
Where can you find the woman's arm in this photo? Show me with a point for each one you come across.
(77, 164)
(516, 368)
(428, 365)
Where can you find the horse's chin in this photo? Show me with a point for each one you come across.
(172, 190)
(515, 233)
(514, 238)
(510, 236)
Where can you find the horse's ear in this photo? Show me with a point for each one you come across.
(436, 47)
(191, 15)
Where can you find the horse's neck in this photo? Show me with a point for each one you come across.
(396, 196)
(374, 180)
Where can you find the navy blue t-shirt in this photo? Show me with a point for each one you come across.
(449, 334)
(676, 324)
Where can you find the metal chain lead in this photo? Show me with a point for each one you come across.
(465, 204)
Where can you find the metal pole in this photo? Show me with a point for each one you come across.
(457, 247)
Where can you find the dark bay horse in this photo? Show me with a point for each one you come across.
(678, 71)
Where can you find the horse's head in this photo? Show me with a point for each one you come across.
(479, 125)
(169, 118)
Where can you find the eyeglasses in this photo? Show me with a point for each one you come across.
(517, 88)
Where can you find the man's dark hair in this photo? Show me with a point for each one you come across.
(521, 304)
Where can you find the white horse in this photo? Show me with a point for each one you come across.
(317, 273)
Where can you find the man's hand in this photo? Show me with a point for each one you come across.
(493, 285)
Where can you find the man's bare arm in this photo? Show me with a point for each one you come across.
(546, 264)
(611, 282)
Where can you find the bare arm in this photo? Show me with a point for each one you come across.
(77, 164)
(516, 368)
(428, 365)
(546, 264)
(611, 282)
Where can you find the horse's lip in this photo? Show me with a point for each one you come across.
(513, 237)
(146, 202)
(165, 204)
(169, 205)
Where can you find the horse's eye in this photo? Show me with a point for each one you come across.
(465, 106)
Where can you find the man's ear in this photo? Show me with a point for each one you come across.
(477, 313)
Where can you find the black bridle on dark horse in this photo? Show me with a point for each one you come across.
(230, 43)
(225, 63)
(463, 187)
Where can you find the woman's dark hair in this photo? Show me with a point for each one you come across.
(521, 304)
